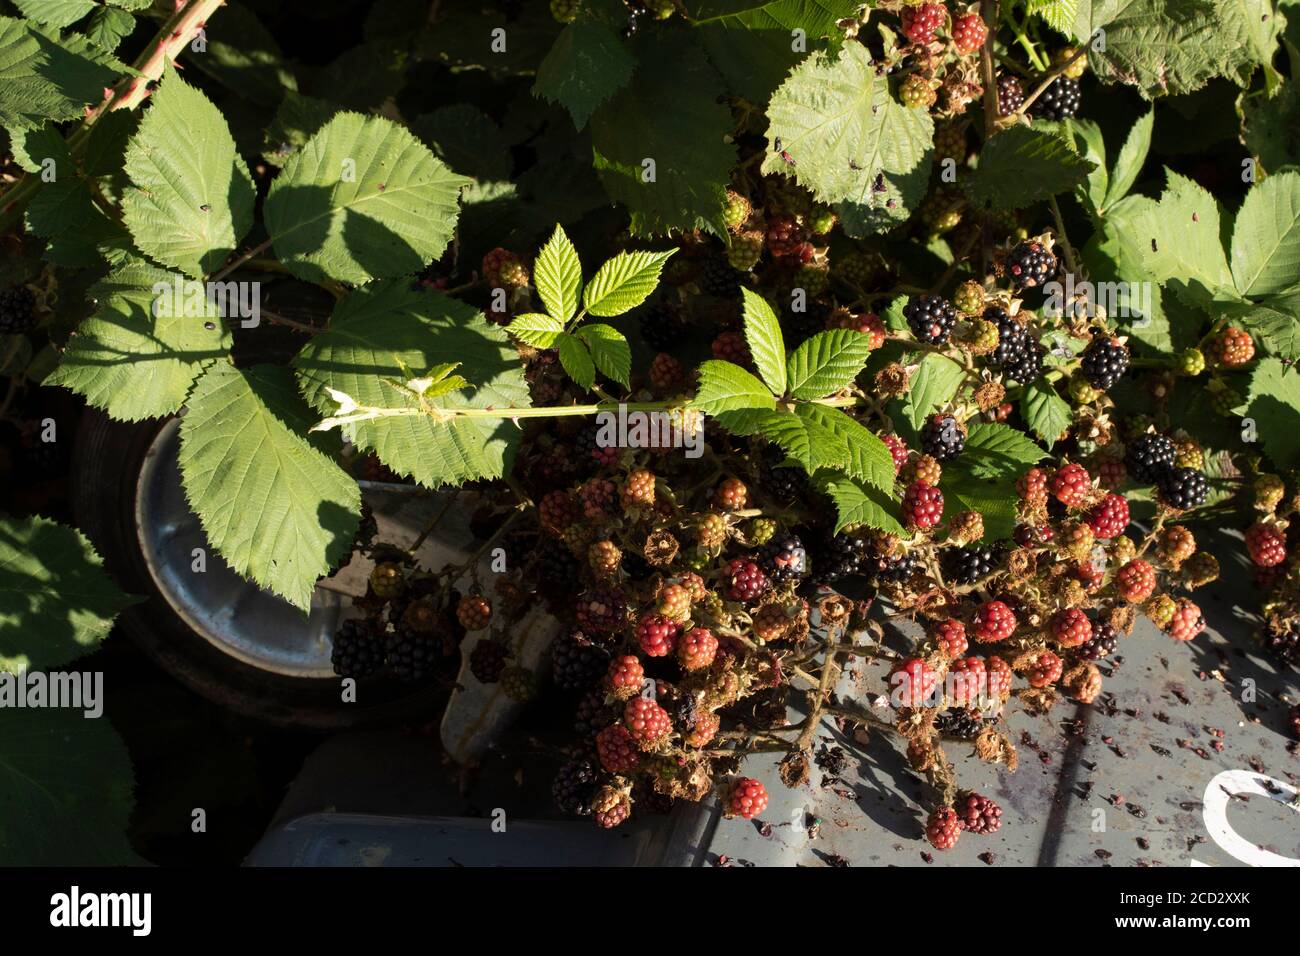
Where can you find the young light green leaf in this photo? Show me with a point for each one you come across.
(587, 65)
(536, 329)
(1273, 402)
(804, 438)
(137, 356)
(56, 601)
(609, 350)
(868, 457)
(576, 359)
(1021, 166)
(363, 199)
(1132, 155)
(766, 345)
(191, 199)
(279, 511)
(1266, 237)
(1046, 413)
(726, 387)
(377, 337)
(827, 362)
(934, 382)
(998, 451)
(557, 273)
(860, 505)
(624, 282)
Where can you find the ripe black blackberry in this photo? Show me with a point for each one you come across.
(487, 660)
(786, 485)
(968, 565)
(943, 437)
(803, 325)
(574, 787)
(930, 317)
(717, 277)
(662, 327)
(1104, 362)
(577, 663)
(1030, 264)
(1010, 94)
(1028, 366)
(1183, 488)
(557, 568)
(1101, 644)
(593, 714)
(1061, 100)
(358, 650)
(960, 723)
(892, 569)
(785, 559)
(1013, 339)
(17, 310)
(1148, 457)
(841, 557)
(1283, 643)
(412, 655)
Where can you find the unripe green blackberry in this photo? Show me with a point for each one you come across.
(1082, 392)
(761, 530)
(736, 210)
(821, 220)
(1191, 362)
(519, 683)
(712, 531)
(941, 212)
(1269, 492)
(859, 267)
(812, 278)
(1224, 400)
(969, 298)
(950, 143)
(565, 11)
(746, 249)
(980, 336)
(917, 93)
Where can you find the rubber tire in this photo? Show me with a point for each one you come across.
(107, 457)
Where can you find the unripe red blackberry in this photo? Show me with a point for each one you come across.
(557, 510)
(624, 677)
(999, 675)
(1234, 347)
(977, 814)
(1045, 669)
(748, 798)
(503, 269)
(1071, 627)
(697, 649)
(897, 450)
(730, 346)
(617, 749)
(1109, 518)
(731, 495)
(943, 828)
(967, 680)
(969, 33)
(1071, 485)
(705, 729)
(866, 323)
(1032, 486)
(1136, 581)
(912, 683)
(657, 635)
(921, 22)
(646, 721)
(784, 236)
(610, 807)
(994, 621)
(601, 610)
(474, 612)
(922, 506)
(746, 581)
(1266, 545)
(1186, 621)
(666, 374)
(950, 635)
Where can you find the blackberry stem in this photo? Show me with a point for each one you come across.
(1065, 240)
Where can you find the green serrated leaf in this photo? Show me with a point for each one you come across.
(839, 123)
(1275, 321)
(1021, 166)
(56, 601)
(280, 512)
(934, 383)
(108, 26)
(381, 332)
(67, 783)
(55, 13)
(363, 199)
(587, 65)
(868, 458)
(47, 77)
(138, 355)
(1045, 412)
(998, 451)
(610, 351)
(1086, 138)
(827, 362)
(557, 273)
(1058, 14)
(624, 282)
(856, 504)
(1266, 237)
(668, 114)
(726, 387)
(799, 435)
(766, 344)
(467, 140)
(191, 200)
(1132, 156)
(994, 498)
(1274, 404)
(537, 329)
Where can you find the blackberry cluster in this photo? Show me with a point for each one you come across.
(1183, 488)
(959, 722)
(577, 663)
(1104, 362)
(943, 438)
(412, 655)
(1010, 94)
(930, 317)
(718, 278)
(1059, 101)
(1148, 457)
(844, 556)
(575, 787)
(785, 560)
(357, 652)
(968, 565)
(1101, 644)
(662, 327)
(1030, 264)
(17, 310)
